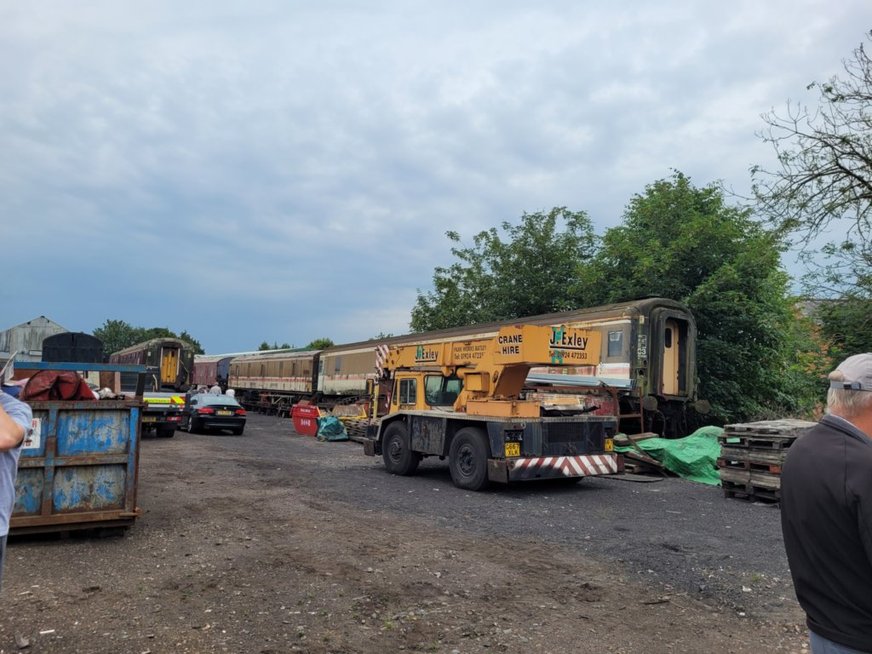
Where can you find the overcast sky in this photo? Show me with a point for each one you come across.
(285, 171)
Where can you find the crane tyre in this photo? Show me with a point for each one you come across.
(397, 451)
(467, 459)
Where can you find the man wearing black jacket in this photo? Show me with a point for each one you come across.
(826, 515)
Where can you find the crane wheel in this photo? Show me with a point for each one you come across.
(397, 452)
(467, 459)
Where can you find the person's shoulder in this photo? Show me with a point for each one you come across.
(19, 411)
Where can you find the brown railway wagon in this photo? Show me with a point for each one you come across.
(273, 380)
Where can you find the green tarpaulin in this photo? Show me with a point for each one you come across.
(331, 429)
(693, 457)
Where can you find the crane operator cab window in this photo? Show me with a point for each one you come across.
(408, 391)
(442, 391)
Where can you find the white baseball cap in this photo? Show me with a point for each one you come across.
(856, 373)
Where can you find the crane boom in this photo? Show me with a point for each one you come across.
(492, 370)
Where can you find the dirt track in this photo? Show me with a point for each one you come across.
(271, 542)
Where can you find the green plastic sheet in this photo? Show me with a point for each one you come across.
(330, 428)
(693, 457)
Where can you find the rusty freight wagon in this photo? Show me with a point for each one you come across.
(79, 468)
(172, 358)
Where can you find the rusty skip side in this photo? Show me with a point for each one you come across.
(80, 467)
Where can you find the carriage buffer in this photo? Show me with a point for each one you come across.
(463, 400)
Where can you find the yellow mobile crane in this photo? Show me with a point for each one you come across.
(463, 400)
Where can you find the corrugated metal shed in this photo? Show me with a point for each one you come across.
(27, 338)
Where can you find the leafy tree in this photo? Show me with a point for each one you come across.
(185, 336)
(803, 381)
(530, 268)
(264, 346)
(823, 184)
(320, 344)
(118, 334)
(846, 324)
(825, 159)
(149, 333)
(686, 243)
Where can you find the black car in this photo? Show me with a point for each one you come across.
(207, 411)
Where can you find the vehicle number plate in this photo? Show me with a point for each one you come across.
(513, 449)
(224, 413)
(149, 419)
(610, 445)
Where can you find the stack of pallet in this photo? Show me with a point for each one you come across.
(752, 454)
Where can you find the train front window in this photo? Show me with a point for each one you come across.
(616, 344)
(441, 391)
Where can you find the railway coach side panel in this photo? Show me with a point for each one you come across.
(345, 373)
(291, 373)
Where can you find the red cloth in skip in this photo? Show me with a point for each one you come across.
(56, 385)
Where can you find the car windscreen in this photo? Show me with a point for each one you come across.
(207, 399)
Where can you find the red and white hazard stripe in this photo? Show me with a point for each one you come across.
(570, 466)
(381, 356)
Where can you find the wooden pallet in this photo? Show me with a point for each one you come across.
(755, 456)
(747, 476)
(766, 434)
(750, 492)
(787, 427)
(749, 465)
(773, 442)
(355, 428)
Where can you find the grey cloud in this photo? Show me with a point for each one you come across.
(297, 154)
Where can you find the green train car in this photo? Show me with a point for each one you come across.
(172, 358)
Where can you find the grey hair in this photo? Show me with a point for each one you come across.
(845, 402)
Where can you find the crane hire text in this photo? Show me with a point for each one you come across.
(510, 344)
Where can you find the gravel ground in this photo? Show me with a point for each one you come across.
(272, 542)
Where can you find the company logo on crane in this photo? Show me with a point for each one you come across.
(426, 355)
(569, 346)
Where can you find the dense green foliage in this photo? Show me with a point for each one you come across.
(118, 334)
(504, 276)
(676, 241)
(846, 324)
(320, 344)
(686, 243)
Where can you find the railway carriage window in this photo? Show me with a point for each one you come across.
(616, 344)
(667, 337)
(338, 365)
(408, 391)
(294, 369)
